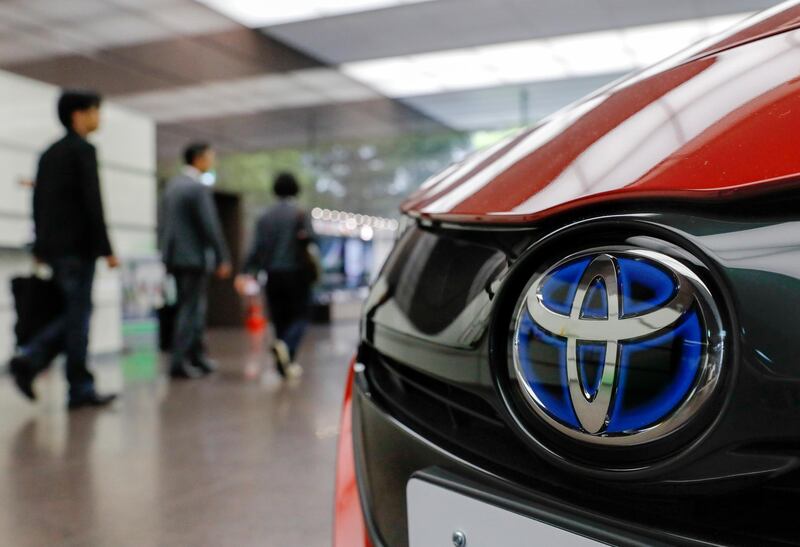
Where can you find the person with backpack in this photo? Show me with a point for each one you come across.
(281, 248)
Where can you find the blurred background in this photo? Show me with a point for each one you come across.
(363, 99)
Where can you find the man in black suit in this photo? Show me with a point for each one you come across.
(192, 246)
(70, 236)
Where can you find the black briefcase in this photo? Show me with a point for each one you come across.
(166, 326)
(38, 302)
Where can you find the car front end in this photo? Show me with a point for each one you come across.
(586, 333)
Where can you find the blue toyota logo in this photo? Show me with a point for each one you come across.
(618, 346)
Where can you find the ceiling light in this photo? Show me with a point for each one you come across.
(461, 69)
(263, 13)
(522, 62)
(652, 43)
(593, 53)
(395, 77)
(587, 54)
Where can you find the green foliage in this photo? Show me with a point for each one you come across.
(370, 177)
(251, 174)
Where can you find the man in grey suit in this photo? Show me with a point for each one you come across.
(192, 246)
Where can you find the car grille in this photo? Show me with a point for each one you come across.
(401, 383)
(457, 419)
(468, 425)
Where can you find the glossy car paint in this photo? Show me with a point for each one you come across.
(704, 128)
(754, 247)
(695, 157)
(349, 529)
(776, 19)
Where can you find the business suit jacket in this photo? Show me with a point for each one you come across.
(67, 205)
(190, 233)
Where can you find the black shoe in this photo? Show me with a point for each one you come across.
(183, 372)
(205, 365)
(22, 370)
(91, 399)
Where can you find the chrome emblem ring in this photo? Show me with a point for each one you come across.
(654, 335)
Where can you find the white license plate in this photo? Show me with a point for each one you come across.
(438, 517)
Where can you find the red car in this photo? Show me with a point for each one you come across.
(587, 333)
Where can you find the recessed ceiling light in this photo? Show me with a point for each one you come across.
(593, 53)
(561, 57)
(263, 13)
(523, 62)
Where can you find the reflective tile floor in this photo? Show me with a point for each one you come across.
(236, 459)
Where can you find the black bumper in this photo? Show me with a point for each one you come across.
(389, 453)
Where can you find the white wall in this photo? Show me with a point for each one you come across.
(126, 152)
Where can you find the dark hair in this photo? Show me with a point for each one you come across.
(72, 101)
(194, 151)
(285, 185)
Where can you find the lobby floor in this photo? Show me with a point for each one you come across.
(236, 459)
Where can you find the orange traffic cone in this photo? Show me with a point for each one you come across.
(255, 322)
